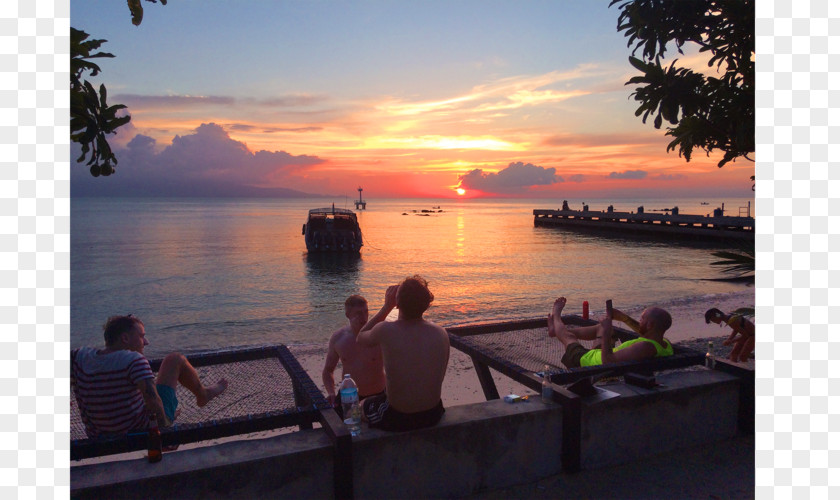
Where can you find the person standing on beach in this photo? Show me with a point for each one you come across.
(415, 352)
(364, 364)
(116, 389)
(651, 343)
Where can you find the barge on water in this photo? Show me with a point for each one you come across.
(332, 230)
(716, 227)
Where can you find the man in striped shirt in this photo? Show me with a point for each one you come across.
(116, 389)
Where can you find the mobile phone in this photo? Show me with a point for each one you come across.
(609, 307)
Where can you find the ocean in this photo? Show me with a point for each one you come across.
(215, 273)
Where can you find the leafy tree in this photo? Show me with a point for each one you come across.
(709, 112)
(91, 118)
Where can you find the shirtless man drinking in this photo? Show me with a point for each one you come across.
(364, 364)
(415, 352)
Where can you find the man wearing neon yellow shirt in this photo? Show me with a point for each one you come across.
(651, 343)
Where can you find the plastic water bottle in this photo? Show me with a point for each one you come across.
(546, 386)
(710, 356)
(350, 405)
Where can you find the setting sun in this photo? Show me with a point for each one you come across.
(460, 191)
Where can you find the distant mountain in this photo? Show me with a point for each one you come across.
(81, 186)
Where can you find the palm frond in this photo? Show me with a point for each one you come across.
(745, 311)
(738, 263)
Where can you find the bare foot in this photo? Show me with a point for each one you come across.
(559, 304)
(211, 392)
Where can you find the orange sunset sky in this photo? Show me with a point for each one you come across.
(407, 99)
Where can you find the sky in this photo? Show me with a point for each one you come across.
(430, 99)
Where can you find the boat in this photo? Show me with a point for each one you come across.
(332, 230)
(704, 202)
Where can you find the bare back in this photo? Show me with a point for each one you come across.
(364, 364)
(416, 354)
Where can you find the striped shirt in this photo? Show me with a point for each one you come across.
(105, 387)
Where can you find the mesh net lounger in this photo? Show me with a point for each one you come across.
(268, 389)
(520, 349)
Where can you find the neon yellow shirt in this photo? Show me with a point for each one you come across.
(593, 357)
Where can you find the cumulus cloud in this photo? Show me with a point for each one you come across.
(576, 178)
(517, 177)
(628, 174)
(206, 162)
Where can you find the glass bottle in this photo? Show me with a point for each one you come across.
(155, 445)
(710, 356)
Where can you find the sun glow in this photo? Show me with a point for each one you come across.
(460, 191)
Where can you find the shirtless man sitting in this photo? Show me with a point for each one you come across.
(651, 342)
(415, 352)
(364, 364)
(116, 389)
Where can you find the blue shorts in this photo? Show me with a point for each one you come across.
(170, 400)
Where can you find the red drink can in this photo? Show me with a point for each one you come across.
(585, 309)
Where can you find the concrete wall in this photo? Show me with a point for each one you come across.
(297, 465)
(475, 447)
(689, 408)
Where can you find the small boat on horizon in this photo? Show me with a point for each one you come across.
(704, 202)
(332, 230)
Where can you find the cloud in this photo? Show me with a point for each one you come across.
(171, 101)
(628, 174)
(576, 178)
(669, 177)
(246, 127)
(503, 94)
(205, 162)
(192, 101)
(599, 140)
(517, 177)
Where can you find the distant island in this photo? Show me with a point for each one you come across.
(105, 188)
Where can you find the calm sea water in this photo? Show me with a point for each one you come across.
(212, 273)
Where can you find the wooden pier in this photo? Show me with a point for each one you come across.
(720, 227)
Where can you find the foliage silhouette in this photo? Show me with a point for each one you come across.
(707, 112)
(91, 118)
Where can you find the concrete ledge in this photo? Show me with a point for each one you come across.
(474, 447)
(688, 409)
(297, 465)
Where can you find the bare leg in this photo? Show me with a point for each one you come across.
(176, 368)
(558, 329)
(578, 333)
